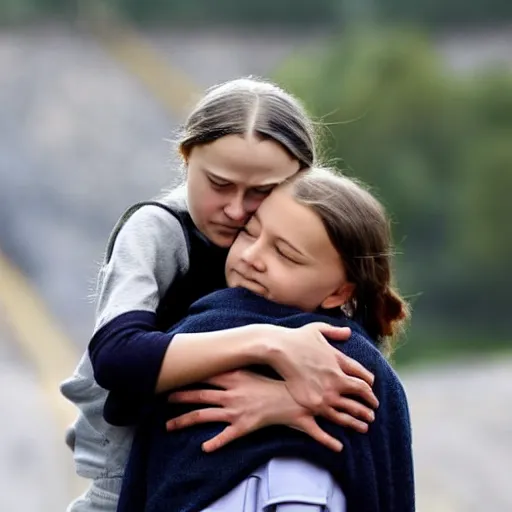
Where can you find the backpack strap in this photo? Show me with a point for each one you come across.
(129, 212)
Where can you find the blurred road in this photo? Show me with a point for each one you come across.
(35, 465)
(462, 434)
(80, 139)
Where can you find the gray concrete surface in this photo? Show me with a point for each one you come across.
(462, 432)
(213, 56)
(34, 462)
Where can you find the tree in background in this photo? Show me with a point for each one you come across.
(437, 149)
(283, 13)
(445, 12)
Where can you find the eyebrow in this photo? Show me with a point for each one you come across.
(216, 176)
(259, 185)
(279, 239)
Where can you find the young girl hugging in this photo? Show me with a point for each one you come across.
(317, 250)
(242, 139)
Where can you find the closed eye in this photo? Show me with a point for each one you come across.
(286, 256)
(263, 190)
(219, 184)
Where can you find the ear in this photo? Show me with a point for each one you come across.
(339, 297)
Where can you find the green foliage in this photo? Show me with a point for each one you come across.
(179, 12)
(437, 150)
(440, 12)
(273, 12)
(229, 11)
(16, 11)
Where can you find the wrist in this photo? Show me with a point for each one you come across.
(264, 346)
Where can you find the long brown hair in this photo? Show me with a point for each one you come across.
(359, 228)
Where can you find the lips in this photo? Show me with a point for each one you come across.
(229, 228)
(248, 279)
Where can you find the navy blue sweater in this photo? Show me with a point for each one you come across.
(169, 472)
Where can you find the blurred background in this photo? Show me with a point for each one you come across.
(415, 98)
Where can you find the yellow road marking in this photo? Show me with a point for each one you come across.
(172, 88)
(46, 346)
(51, 353)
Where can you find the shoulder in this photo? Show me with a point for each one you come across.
(149, 226)
(387, 381)
(146, 252)
(161, 213)
(359, 346)
(151, 216)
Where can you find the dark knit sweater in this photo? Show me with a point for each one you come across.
(169, 472)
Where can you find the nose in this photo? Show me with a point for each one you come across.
(236, 209)
(253, 256)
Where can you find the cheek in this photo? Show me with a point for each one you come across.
(288, 282)
(201, 196)
(211, 200)
(235, 252)
(300, 285)
(207, 203)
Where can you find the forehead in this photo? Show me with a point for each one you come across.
(246, 160)
(283, 217)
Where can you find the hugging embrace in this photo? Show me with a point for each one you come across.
(238, 361)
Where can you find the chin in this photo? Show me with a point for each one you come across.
(258, 289)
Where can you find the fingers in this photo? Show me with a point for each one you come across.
(196, 417)
(199, 396)
(228, 435)
(335, 333)
(309, 426)
(361, 389)
(346, 420)
(352, 367)
(354, 408)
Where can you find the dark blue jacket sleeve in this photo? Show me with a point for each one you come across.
(127, 353)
